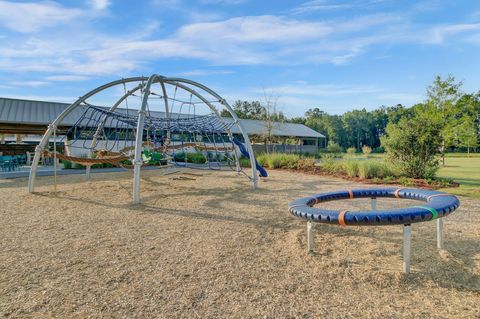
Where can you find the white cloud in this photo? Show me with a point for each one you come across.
(252, 40)
(28, 83)
(28, 17)
(204, 72)
(223, 2)
(66, 78)
(319, 90)
(439, 34)
(99, 4)
(316, 5)
(325, 5)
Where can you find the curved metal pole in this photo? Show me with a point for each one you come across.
(137, 162)
(61, 117)
(104, 119)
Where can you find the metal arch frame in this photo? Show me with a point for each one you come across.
(165, 97)
(60, 118)
(167, 112)
(155, 78)
(141, 120)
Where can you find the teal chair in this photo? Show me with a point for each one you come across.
(9, 163)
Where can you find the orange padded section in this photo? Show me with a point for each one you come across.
(350, 193)
(341, 218)
(397, 192)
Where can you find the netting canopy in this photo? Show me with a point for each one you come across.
(152, 120)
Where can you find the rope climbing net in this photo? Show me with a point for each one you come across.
(157, 121)
(201, 141)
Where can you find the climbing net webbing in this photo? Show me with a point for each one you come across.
(195, 141)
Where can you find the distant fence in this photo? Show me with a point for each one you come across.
(284, 148)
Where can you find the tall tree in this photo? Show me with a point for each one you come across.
(468, 133)
(443, 96)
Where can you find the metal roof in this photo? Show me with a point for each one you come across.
(18, 111)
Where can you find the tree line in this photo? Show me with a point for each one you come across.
(454, 112)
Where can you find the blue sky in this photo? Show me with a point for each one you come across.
(333, 54)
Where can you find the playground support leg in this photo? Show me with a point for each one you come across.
(407, 232)
(87, 172)
(374, 203)
(440, 233)
(136, 182)
(310, 236)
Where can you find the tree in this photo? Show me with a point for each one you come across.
(270, 108)
(443, 96)
(468, 134)
(412, 146)
(246, 110)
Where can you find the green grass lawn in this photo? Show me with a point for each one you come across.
(465, 171)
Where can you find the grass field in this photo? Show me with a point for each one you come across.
(465, 171)
(458, 167)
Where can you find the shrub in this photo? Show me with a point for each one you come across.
(278, 160)
(351, 150)
(67, 164)
(77, 166)
(379, 150)
(102, 165)
(405, 181)
(350, 168)
(373, 169)
(196, 158)
(261, 159)
(179, 157)
(245, 162)
(388, 179)
(366, 150)
(216, 157)
(334, 147)
(305, 163)
(412, 145)
(330, 165)
(329, 155)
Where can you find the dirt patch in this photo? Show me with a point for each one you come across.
(210, 246)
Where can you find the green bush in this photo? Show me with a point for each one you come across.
(67, 164)
(350, 168)
(245, 162)
(196, 158)
(305, 163)
(373, 169)
(330, 165)
(334, 147)
(405, 181)
(102, 165)
(77, 166)
(412, 145)
(322, 154)
(351, 150)
(366, 150)
(216, 157)
(179, 157)
(278, 160)
(379, 150)
(388, 179)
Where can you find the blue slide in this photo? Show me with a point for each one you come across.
(243, 150)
